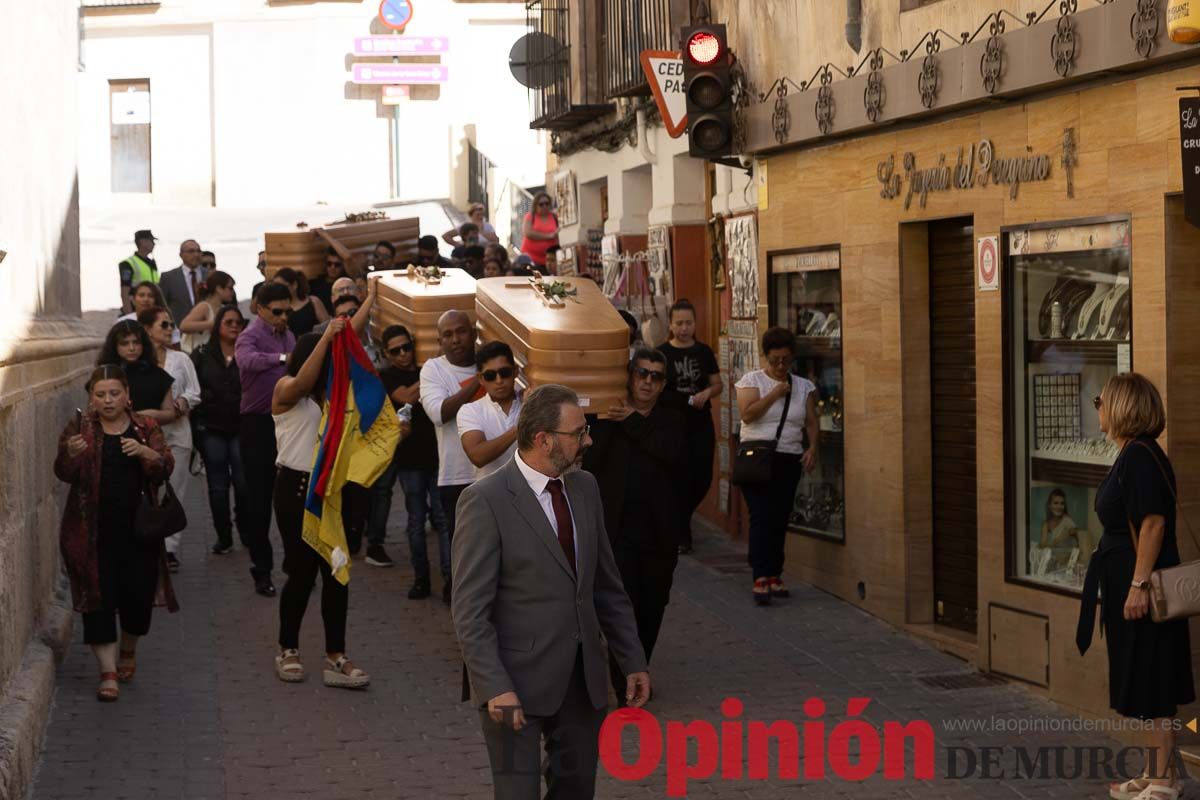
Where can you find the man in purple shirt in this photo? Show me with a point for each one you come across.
(261, 353)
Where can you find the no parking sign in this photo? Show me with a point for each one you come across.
(396, 14)
(987, 262)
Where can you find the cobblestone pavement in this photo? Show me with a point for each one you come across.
(206, 717)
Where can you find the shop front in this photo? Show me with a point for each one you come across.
(960, 290)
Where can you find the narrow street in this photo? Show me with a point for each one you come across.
(205, 718)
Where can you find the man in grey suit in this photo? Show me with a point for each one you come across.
(535, 586)
(179, 285)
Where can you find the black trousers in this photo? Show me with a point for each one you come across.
(449, 496)
(770, 506)
(571, 736)
(356, 512)
(647, 578)
(301, 564)
(701, 444)
(128, 579)
(256, 439)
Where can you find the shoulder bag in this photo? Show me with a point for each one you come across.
(1174, 591)
(157, 518)
(752, 461)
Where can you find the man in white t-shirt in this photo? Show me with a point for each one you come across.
(488, 426)
(448, 383)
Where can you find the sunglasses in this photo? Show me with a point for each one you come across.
(504, 372)
(1097, 402)
(655, 376)
(400, 348)
(280, 312)
(166, 324)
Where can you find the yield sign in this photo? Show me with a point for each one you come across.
(664, 71)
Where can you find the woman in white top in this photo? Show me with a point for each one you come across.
(186, 391)
(215, 291)
(761, 397)
(487, 233)
(296, 409)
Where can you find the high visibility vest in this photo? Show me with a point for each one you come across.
(141, 270)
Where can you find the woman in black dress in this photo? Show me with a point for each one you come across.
(1149, 663)
(128, 346)
(307, 311)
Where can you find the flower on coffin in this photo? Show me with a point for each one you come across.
(552, 291)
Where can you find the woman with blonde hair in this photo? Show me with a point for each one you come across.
(1149, 663)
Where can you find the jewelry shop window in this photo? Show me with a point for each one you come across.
(806, 298)
(1071, 329)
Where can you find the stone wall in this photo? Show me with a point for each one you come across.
(45, 352)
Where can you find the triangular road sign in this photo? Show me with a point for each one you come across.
(664, 71)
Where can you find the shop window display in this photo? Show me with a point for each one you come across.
(1070, 322)
(806, 298)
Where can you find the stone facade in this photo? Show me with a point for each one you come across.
(45, 351)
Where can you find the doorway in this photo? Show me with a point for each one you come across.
(129, 103)
(952, 422)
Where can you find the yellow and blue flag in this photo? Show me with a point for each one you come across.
(359, 434)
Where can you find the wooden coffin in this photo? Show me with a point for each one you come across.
(407, 300)
(582, 343)
(304, 249)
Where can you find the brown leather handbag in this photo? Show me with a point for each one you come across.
(1174, 591)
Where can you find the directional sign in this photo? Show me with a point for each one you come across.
(664, 71)
(400, 73)
(395, 95)
(400, 45)
(395, 14)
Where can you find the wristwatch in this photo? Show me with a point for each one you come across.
(283, 358)
(1136, 584)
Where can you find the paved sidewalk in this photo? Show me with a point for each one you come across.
(206, 717)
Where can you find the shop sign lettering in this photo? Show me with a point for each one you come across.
(975, 165)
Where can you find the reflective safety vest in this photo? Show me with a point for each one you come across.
(142, 271)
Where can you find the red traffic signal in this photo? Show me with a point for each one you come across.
(708, 88)
(704, 48)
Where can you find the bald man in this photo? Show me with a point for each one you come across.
(180, 285)
(449, 382)
(343, 286)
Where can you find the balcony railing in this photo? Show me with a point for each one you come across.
(549, 58)
(479, 168)
(631, 26)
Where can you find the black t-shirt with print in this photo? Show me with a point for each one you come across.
(419, 450)
(688, 371)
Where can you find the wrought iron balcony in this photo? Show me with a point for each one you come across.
(563, 90)
(631, 26)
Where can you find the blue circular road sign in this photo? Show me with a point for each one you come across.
(395, 14)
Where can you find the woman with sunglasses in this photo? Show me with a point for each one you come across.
(214, 291)
(776, 405)
(108, 454)
(307, 311)
(539, 230)
(147, 295)
(217, 420)
(186, 390)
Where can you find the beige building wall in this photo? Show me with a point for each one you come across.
(44, 353)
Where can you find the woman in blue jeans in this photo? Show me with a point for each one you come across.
(415, 464)
(216, 421)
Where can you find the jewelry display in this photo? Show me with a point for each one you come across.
(1089, 308)
(1056, 320)
(816, 321)
(1070, 293)
(1056, 408)
(1068, 449)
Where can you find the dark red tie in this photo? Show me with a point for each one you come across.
(192, 281)
(562, 516)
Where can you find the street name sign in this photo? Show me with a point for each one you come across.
(400, 73)
(400, 45)
(664, 71)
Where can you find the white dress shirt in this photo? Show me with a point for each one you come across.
(486, 416)
(538, 485)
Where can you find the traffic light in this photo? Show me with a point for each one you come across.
(707, 81)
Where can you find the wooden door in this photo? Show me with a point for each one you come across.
(129, 104)
(952, 395)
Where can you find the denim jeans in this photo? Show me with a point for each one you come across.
(222, 468)
(421, 499)
(381, 504)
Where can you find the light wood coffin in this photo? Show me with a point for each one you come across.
(583, 343)
(417, 305)
(304, 249)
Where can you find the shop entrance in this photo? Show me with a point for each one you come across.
(952, 416)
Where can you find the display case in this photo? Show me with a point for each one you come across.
(1069, 319)
(806, 298)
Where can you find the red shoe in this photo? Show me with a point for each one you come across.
(762, 591)
(778, 589)
(108, 694)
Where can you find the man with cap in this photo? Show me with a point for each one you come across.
(180, 286)
(137, 268)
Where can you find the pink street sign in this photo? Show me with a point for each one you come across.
(400, 45)
(400, 73)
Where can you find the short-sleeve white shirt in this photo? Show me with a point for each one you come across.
(763, 428)
(440, 380)
(486, 416)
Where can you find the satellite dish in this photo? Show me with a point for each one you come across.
(534, 59)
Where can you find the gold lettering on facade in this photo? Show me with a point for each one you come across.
(975, 165)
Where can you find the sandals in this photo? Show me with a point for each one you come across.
(762, 591)
(108, 694)
(126, 666)
(341, 674)
(778, 589)
(1156, 791)
(1141, 789)
(288, 667)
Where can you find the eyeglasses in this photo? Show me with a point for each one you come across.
(1097, 402)
(779, 361)
(579, 434)
(655, 376)
(491, 374)
(543, 202)
(400, 348)
(280, 312)
(166, 324)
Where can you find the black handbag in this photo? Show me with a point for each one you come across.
(157, 518)
(752, 461)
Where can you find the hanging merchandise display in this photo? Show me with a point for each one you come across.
(741, 257)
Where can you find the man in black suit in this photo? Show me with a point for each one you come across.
(535, 586)
(180, 285)
(639, 456)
